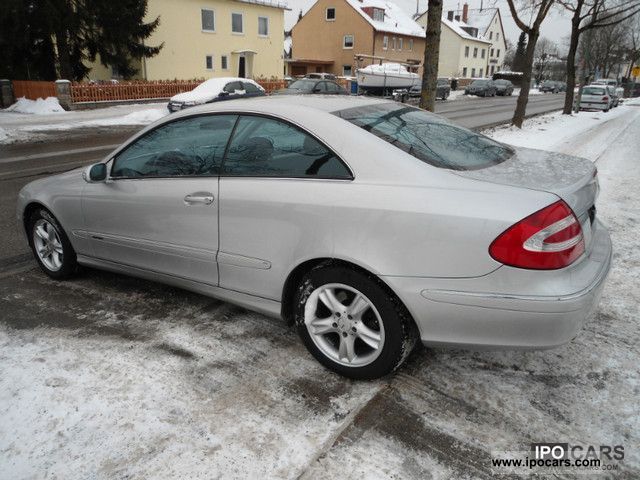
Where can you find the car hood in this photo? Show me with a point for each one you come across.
(571, 178)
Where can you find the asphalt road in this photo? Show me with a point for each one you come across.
(63, 150)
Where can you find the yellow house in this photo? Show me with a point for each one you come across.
(463, 52)
(212, 38)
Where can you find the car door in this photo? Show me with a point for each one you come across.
(274, 188)
(158, 209)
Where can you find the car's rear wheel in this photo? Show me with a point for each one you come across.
(351, 323)
(51, 246)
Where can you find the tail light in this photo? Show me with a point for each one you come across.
(605, 99)
(549, 239)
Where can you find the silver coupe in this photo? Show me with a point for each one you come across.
(371, 225)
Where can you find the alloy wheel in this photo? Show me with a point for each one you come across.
(48, 245)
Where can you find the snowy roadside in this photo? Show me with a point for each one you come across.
(27, 120)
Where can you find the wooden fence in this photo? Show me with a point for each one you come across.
(112, 92)
(33, 90)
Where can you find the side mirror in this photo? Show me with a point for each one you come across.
(223, 94)
(95, 173)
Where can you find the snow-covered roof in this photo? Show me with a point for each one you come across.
(396, 19)
(456, 26)
(267, 3)
(481, 19)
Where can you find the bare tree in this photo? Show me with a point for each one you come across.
(538, 10)
(544, 49)
(633, 43)
(588, 15)
(431, 56)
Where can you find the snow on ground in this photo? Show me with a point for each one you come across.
(36, 107)
(559, 132)
(16, 127)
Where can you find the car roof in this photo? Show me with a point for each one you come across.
(274, 104)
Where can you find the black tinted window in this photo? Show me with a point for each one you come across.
(428, 137)
(231, 87)
(251, 88)
(304, 85)
(193, 146)
(270, 148)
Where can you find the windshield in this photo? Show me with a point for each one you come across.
(593, 91)
(303, 85)
(443, 81)
(428, 137)
(502, 82)
(480, 83)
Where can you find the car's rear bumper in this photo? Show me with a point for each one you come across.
(509, 307)
(594, 106)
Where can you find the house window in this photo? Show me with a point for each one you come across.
(480, 74)
(385, 42)
(411, 44)
(475, 52)
(208, 60)
(464, 72)
(498, 53)
(492, 52)
(263, 26)
(236, 23)
(208, 20)
(347, 41)
(482, 53)
(224, 62)
(400, 42)
(493, 69)
(497, 36)
(473, 73)
(393, 43)
(378, 15)
(331, 14)
(490, 35)
(466, 52)
(347, 71)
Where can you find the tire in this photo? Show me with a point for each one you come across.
(46, 235)
(372, 342)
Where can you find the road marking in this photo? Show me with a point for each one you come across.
(60, 153)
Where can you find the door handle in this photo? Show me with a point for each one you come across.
(205, 198)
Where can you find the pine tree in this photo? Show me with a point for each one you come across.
(38, 36)
(521, 49)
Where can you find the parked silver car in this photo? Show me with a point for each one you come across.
(403, 227)
(483, 87)
(596, 97)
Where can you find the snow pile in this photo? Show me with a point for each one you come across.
(4, 135)
(586, 134)
(141, 117)
(36, 107)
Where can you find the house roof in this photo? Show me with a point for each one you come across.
(267, 3)
(481, 19)
(396, 20)
(456, 26)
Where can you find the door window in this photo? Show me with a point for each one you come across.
(231, 87)
(190, 147)
(265, 147)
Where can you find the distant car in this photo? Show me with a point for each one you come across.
(482, 88)
(503, 87)
(562, 86)
(443, 89)
(321, 76)
(595, 97)
(618, 91)
(306, 86)
(549, 86)
(215, 90)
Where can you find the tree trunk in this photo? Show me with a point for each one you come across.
(523, 98)
(431, 56)
(65, 69)
(571, 60)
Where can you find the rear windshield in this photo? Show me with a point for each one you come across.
(428, 137)
(593, 91)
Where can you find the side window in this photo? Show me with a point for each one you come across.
(231, 87)
(250, 88)
(190, 147)
(321, 87)
(332, 87)
(265, 147)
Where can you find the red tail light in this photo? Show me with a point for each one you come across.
(549, 239)
(605, 99)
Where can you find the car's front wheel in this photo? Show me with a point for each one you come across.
(50, 245)
(351, 323)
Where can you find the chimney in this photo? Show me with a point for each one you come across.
(450, 15)
(465, 12)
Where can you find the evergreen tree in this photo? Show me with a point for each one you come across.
(521, 49)
(38, 35)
